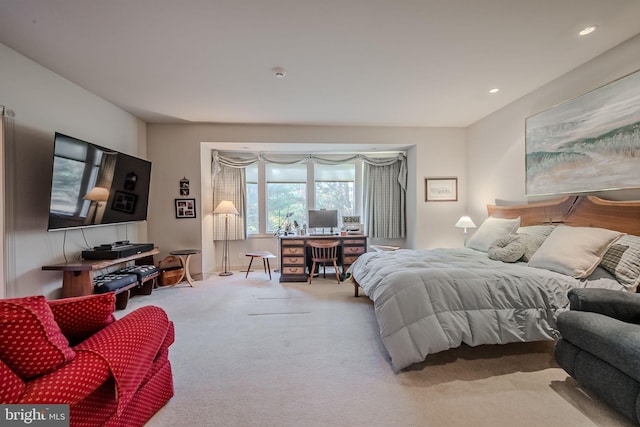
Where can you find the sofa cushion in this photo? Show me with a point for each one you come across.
(113, 281)
(12, 386)
(81, 317)
(31, 342)
(609, 339)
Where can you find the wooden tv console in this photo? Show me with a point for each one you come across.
(77, 276)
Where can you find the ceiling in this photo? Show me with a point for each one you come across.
(347, 62)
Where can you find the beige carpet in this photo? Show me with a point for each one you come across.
(254, 352)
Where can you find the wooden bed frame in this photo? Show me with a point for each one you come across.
(576, 211)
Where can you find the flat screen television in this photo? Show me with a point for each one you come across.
(93, 185)
(323, 218)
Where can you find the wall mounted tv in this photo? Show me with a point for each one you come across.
(93, 185)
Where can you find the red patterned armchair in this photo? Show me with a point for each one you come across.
(111, 372)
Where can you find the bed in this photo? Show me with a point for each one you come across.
(427, 301)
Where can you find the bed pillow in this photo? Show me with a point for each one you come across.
(31, 342)
(532, 238)
(573, 251)
(507, 248)
(622, 260)
(490, 230)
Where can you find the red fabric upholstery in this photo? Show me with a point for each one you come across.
(31, 342)
(81, 317)
(120, 376)
(130, 348)
(12, 386)
(69, 384)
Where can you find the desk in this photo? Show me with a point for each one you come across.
(185, 257)
(293, 254)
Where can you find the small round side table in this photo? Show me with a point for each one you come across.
(185, 256)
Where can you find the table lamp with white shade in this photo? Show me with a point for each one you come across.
(465, 222)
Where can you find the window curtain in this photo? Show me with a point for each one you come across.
(8, 215)
(385, 179)
(229, 184)
(385, 201)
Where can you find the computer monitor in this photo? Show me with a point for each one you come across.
(323, 218)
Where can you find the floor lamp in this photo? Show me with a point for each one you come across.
(226, 208)
(465, 222)
(97, 195)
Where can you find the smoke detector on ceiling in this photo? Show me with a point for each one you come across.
(279, 72)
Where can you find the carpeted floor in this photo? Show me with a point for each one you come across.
(254, 352)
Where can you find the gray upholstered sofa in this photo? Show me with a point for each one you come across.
(600, 346)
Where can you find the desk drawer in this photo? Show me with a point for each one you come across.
(348, 250)
(295, 260)
(348, 260)
(292, 242)
(292, 270)
(355, 241)
(292, 251)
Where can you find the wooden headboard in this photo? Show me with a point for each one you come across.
(577, 211)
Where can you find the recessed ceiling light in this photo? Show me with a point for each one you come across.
(588, 30)
(494, 90)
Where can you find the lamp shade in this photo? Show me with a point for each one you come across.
(465, 222)
(226, 207)
(97, 194)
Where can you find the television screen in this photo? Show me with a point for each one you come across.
(323, 218)
(93, 185)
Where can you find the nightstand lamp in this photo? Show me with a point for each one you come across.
(465, 222)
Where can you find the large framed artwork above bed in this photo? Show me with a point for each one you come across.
(589, 143)
(427, 301)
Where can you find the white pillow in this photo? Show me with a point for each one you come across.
(574, 251)
(490, 230)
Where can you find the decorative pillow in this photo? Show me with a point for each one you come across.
(532, 237)
(623, 261)
(12, 386)
(574, 251)
(81, 317)
(539, 230)
(490, 230)
(507, 248)
(31, 342)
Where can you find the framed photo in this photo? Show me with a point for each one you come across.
(185, 208)
(124, 202)
(184, 187)
(441, 189)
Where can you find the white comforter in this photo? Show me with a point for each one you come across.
(432, 300)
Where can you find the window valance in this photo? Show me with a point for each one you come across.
(218, 160)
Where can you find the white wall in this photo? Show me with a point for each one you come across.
(496, 151)
(43, 103)
(179, 150)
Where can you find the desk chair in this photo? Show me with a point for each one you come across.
(323, 253)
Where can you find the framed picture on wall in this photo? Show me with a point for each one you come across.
(441, 189)
(588, 143)
(124, 202)
(185, 208)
